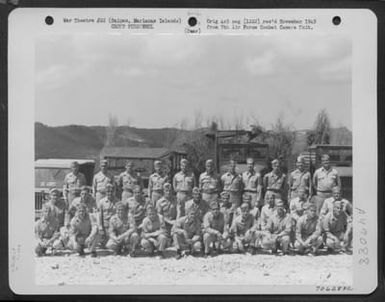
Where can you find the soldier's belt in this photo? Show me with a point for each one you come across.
(274, 190)
(251, 191)
(233, 191)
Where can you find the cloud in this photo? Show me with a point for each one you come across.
(337, 71)
(261, 65)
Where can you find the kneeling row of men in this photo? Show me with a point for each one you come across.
(121, 226)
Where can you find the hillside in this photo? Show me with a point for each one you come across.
(75, 141)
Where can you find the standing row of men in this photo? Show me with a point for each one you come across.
(163, 218)
(250, 182)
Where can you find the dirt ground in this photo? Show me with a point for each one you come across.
(262, 269)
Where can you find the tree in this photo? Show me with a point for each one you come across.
(112, 127)
(320, 134)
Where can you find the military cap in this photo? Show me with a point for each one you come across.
(167, 186)
(137, 187)
(184, 161)
(275, 161)
(302, 188)
(196, 190)
(47, 206)
(81, 206)
(250, 160)
(300, 159)
(109, 187)
(245, 206)
(129, 163)
(74, 163)
(337, 203)
(157, 162)
(103, 163)
(246, 196)
(120, 204)
(336, 189)
(214, 205)
(325, 157)
(209, 161)
(192, 210)
(54, 190)
(279, 203)
(225, 194)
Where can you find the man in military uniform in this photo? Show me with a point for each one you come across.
(328, 204)
(209, 183)
(72, 181)
(308, 231)
(122, 232)
(154, 233)
(58, 206)
(299, 178)
(267, 210)
(226, 208)
(183, 183)
(275, 181)
(101, 180)
(83, 232)
(298, 204)
(156, 182)
(232, 183)
(167, 207)
(278, 230)
(46, 231)
(127, 180)
(335, 226)
(187, 233)
(254, 210)
(136, 206)
(215, 230)
(85, 198)
(107, 208)
(252, 183)
(197, 203)
(324, 179)
(241, 229)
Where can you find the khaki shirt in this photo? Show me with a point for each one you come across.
(192, 227)
(307, 227)
(127, 181)
(46, 228)
(202, 207)
(275, 182)
(299, 179)
(168, 208)
(137, 210)
(101, 181)
(277, 225)
(89, 203)
(252, 182)
(324, 180)
(82, 227)
(297, 207)
(211, 225)
(232, 182)
(240, 226)
(72, 181)
(156, 182)
(120, 226)
(107, 210)
(158, 224)
(328, 206)
(335, 225)
(266, 214)
(184, 182)
(209, 183)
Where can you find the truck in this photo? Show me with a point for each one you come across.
(50, 173)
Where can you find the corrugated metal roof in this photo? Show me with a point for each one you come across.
(60, 162)
(134, 152)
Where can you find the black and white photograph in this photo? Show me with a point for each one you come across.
(178, 159)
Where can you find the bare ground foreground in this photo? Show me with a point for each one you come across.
(263, 269)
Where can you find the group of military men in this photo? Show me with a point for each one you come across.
(235, 212)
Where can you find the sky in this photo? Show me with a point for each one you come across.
(154, 81)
